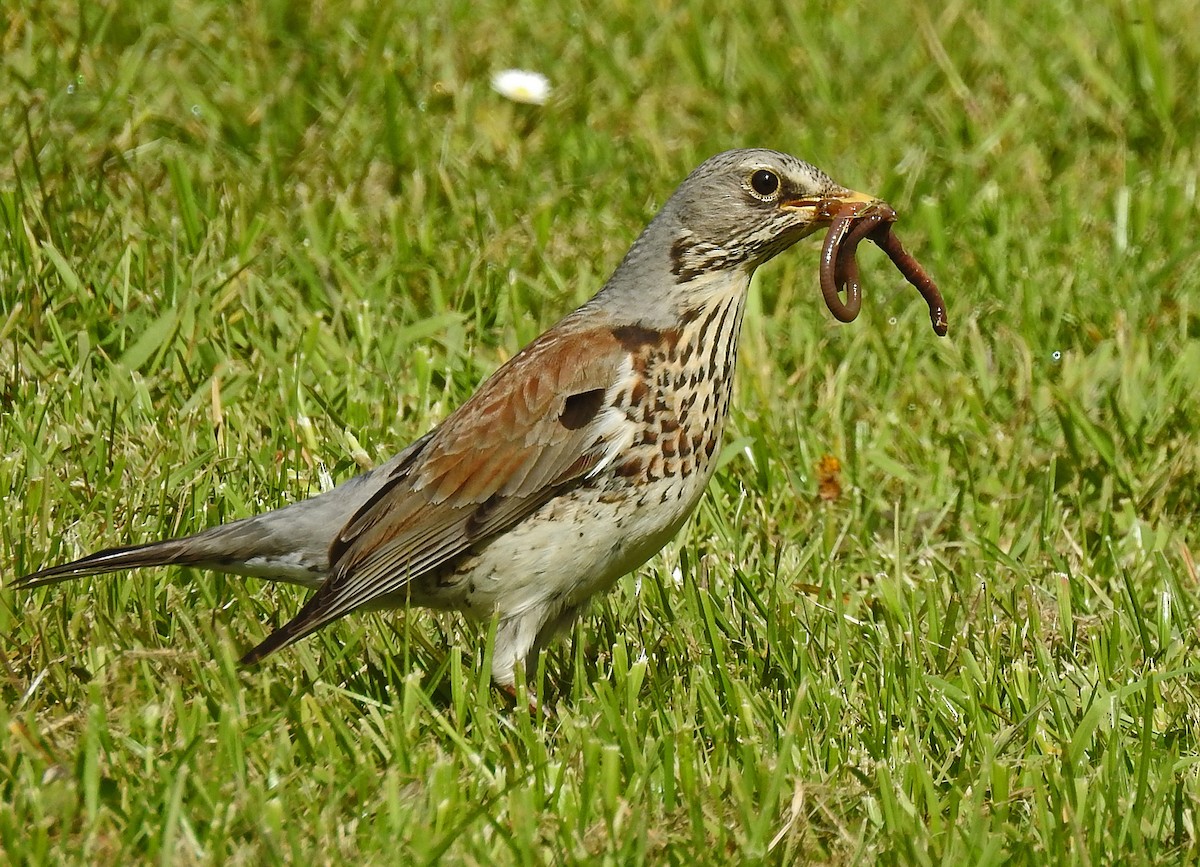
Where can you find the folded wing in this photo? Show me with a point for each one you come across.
(540, 425)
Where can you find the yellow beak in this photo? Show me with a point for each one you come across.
(825, 207)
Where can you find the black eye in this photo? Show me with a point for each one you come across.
(764, 183)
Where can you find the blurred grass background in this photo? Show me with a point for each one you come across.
(248, 248)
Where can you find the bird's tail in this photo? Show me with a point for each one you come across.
(170, 552)
(290, 544)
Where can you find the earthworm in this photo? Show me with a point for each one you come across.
(830, 259)
(845, 271)
(839, 267)
(914, 274)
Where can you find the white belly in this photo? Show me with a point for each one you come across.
(575, 546)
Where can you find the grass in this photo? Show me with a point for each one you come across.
(247, 250)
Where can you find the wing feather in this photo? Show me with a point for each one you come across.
(500, 456)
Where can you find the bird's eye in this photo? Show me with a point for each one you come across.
(764, 183)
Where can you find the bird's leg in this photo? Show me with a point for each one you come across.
(510, 690)
(515, 653)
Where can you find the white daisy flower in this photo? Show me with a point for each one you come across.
(521, 85)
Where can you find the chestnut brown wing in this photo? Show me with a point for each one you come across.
(540, 424)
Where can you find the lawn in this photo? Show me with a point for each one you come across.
(250, 249)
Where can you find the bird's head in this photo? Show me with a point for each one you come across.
(735, 211)
(742, 207)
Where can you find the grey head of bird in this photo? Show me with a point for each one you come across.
(734, 212)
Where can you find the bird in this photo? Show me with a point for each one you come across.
(571, 465)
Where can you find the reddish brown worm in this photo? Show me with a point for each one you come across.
(831, 257)
(839, 267)
(845, 270)
(914, 274)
